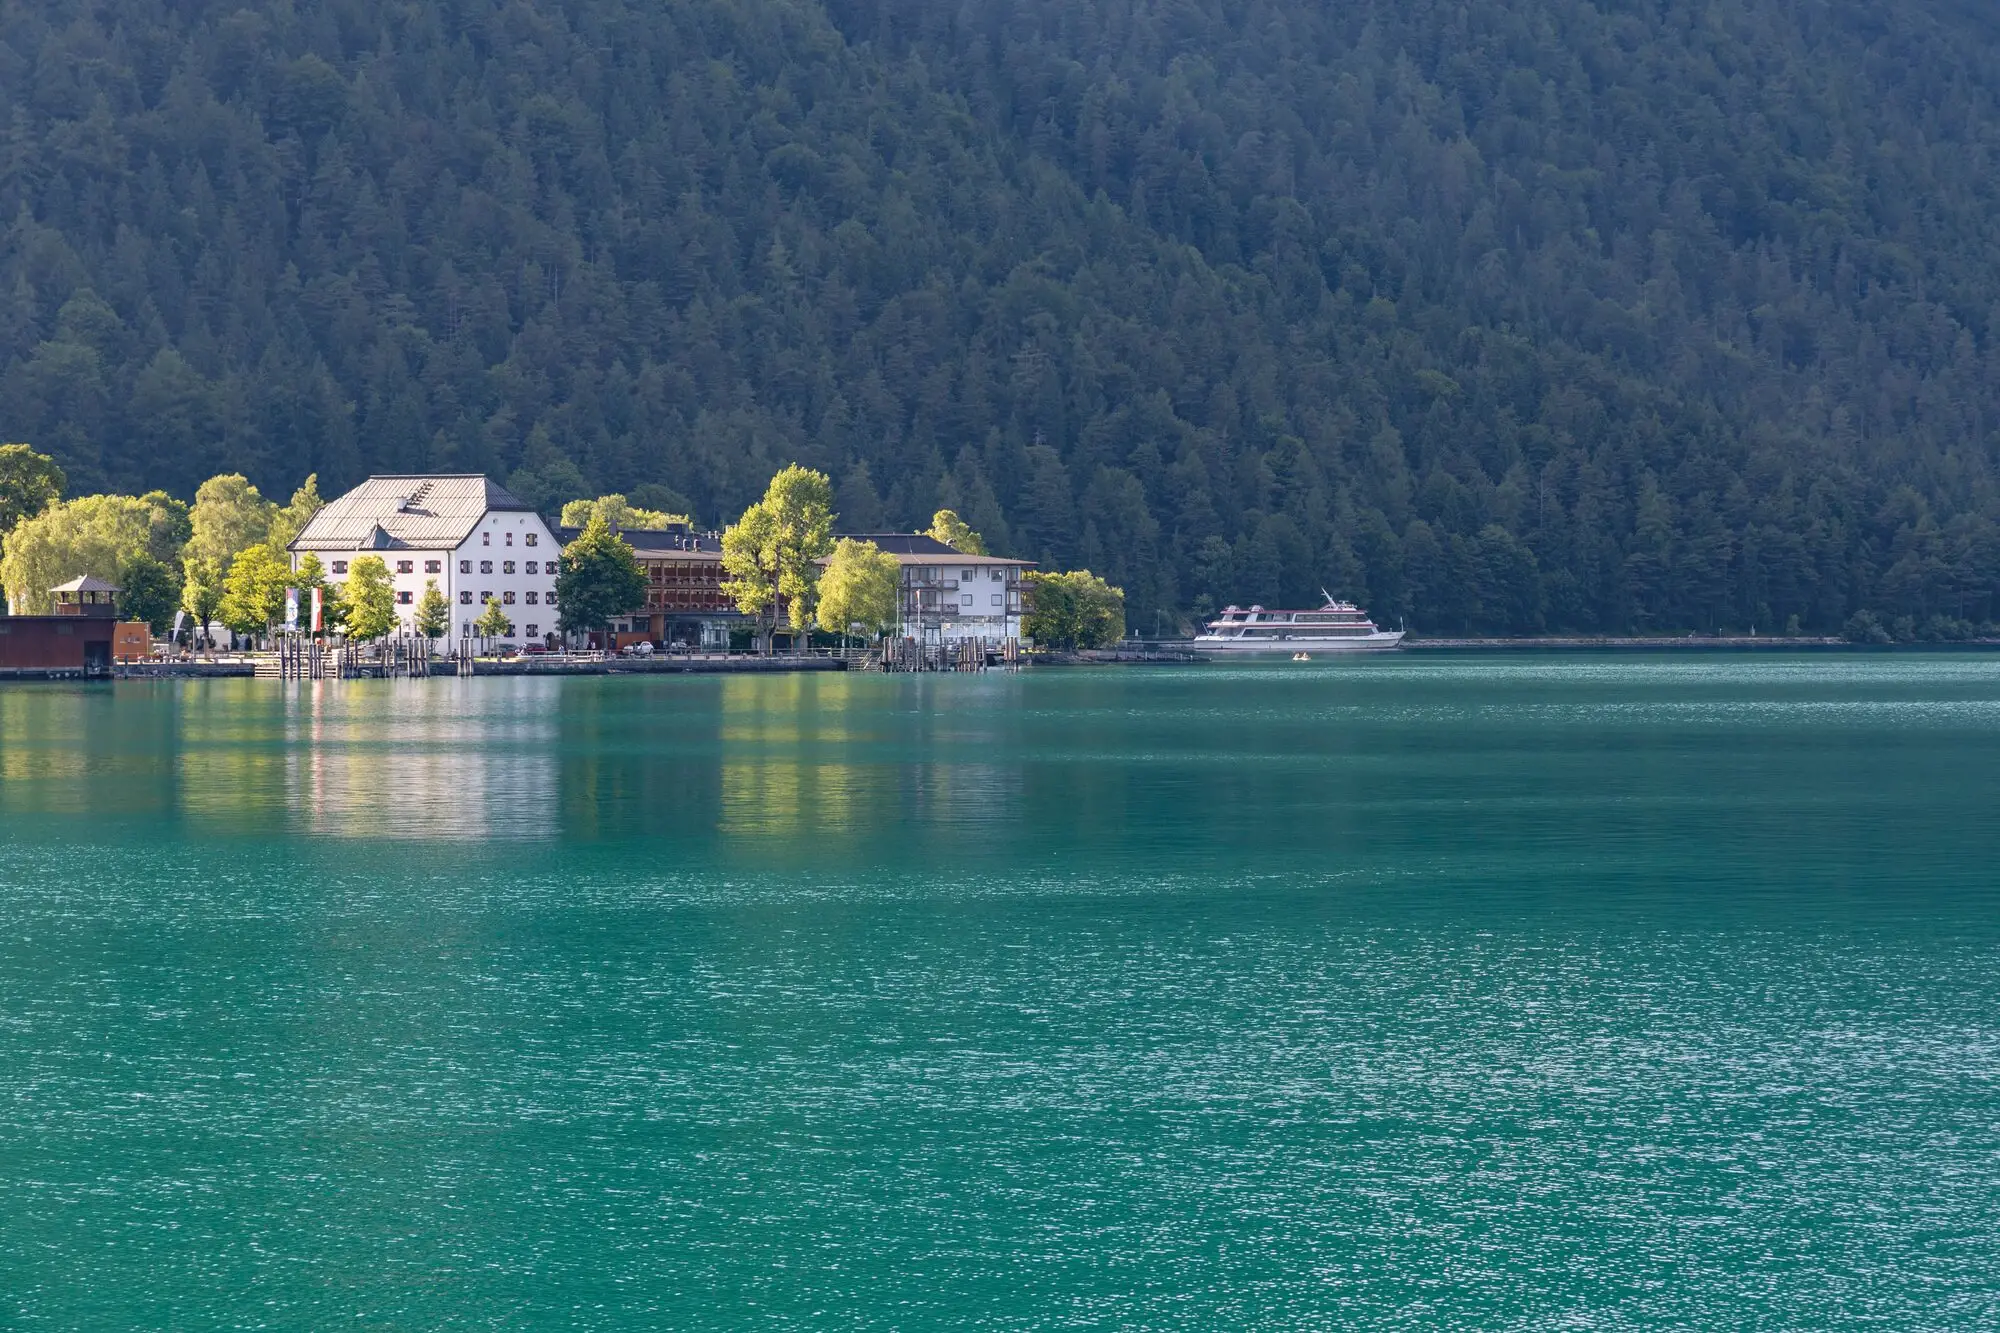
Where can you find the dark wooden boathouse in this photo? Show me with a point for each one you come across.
(74, 642)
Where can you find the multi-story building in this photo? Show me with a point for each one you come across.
(685, 603)
(457, 530)
(948, 596)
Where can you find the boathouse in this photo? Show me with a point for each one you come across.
(74, 642)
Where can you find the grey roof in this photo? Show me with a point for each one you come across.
(919, 548)
(385, 513)
(88, 583)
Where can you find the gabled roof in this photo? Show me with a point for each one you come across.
(88, 583)
(398, 512)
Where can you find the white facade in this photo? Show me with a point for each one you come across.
(465, 534)
(948, 597)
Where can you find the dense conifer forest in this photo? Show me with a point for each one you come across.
(1497, 315)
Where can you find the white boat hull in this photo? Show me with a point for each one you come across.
(1380, 641)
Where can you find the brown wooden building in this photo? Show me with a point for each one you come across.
(75, 641)
(685, 603)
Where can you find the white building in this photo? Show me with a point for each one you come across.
(460, 531)
(948, 597)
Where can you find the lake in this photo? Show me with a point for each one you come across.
(1511, 992)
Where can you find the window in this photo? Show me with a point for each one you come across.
(965, 599)
(531, 566)
(464, 597)
(465, 566)
(965, 574)
(550, 567)
(465, 629)
(486, 566)
(510, 539)
(485, 597)
(533, 630)
(506, 566)
(507, 598)
(340, 566)
(403, 598)
(406, 567)
(531, 597)
(552, 599)
(485, 539)
(531, 541)
(433, 566)
(998, 599)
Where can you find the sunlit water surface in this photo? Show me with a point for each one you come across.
(1591, 992)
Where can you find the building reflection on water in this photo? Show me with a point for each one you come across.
(768, 770)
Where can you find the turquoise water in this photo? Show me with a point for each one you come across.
(1592, 992)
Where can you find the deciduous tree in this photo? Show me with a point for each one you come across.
(859, 590)
(368, 599)
(620, 513)
(493, 622)
(148, 591)
(1074, 610)
(92, 534)
(599, 579)
(953, 531)
(29, 483)
(228, 516)
(433, 619)
(201, 591)
(772, 553)
(253, 592)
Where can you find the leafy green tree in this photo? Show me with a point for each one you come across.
(289, 521)
(148, 591)
(600, 579)
(92, 534)
(311, 574)
(201, 591)
(619, 513)
(253, 592)
(953, 531)
(493, 622)
(433, 619)
(368, 599)
(859, 591)
(228, 516)
(1074, 610)
(773, 552)
(29, 483)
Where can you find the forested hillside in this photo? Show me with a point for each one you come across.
(1494, 314)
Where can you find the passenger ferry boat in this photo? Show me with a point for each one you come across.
(1337, 627)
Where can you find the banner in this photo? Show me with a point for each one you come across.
(317, 625)
(291, 608)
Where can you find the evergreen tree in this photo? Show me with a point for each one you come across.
(1223, 302)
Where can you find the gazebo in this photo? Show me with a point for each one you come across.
(86, 596)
